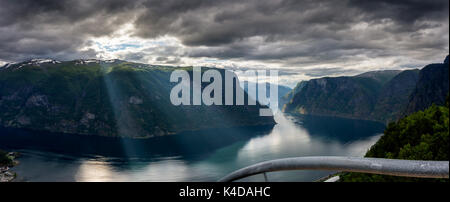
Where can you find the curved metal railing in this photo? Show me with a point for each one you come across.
(405, 168)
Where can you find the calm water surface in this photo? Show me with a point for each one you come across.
(205, 156)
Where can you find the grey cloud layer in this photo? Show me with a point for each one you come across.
(290, 32)
(57, 28)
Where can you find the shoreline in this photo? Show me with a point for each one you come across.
(6, 175)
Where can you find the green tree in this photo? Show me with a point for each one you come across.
(4, 159)
(423, 135)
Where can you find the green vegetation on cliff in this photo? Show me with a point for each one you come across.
(423, 135)
(4, 159)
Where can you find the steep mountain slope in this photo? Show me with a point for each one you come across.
(381, 96)
(351, 97)
(420, 136)
(108, 98)
(289, 95)
(394, 96)
(432, 87)
(381, 77)
(282, 91)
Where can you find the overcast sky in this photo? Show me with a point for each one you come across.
(303, 39)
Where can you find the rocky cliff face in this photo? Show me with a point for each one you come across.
(341, 96)
(108, 98)
(381, 96)
(394, 96)
(286, 99)
(282, 91)
(432, 87)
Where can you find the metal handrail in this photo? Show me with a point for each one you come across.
(405, 168)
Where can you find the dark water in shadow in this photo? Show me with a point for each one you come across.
(194, 156)
(188, 145)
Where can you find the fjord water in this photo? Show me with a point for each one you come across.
(195, 156)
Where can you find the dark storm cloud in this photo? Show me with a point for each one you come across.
(405, 11)
(312, 30)
(203, 22)
(290, 31)
(325, 49)
(57, 28)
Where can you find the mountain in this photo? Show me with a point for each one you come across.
(381, 77)
(288, 96)
(282, 91)
(351, 97)
(108, 98)
(394, 96)
(381, 96)
(432, 87)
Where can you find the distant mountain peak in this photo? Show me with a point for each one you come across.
(371, 73)
(40, 61)
(381, 76)
(7, 65)
(34, 61)
(98, 61)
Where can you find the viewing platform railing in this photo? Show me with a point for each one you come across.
(394, 167)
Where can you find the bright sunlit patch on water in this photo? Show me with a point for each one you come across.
(163, 170)
(289, 139)
(169, 169)
(283, 133)
(93, 171)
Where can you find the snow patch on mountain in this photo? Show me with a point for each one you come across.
(87, 61)
(35, 62)
(42, 61)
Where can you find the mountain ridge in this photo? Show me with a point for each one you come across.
(111, 98)
(382, 96)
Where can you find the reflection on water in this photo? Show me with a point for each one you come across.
(205, 156)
